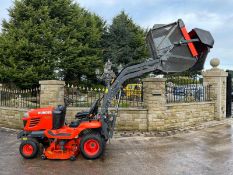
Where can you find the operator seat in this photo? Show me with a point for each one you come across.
(82, 115)
(93, 111)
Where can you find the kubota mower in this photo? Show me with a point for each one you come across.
(173, 49)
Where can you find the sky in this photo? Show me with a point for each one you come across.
(215, 16)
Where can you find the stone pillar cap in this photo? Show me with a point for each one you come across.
(152, 79)
(214, 62)
(51, 82)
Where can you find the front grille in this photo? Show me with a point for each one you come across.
(34, 122)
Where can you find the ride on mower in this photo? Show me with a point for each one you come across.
(172, 49)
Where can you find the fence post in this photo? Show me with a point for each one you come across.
(216, 78)
(51, 93)
(154, 101)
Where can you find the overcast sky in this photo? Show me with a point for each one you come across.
(213, 15)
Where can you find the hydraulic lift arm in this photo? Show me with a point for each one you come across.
(128, 73)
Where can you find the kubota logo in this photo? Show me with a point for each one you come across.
(45, 112)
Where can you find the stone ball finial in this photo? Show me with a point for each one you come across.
(214, 62)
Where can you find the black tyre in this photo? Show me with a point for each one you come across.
(104, 142)
(91, 146)
(28, 149)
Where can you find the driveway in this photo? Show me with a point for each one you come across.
(209, 151)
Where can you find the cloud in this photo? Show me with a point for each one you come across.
(89, 3)
(204, 19)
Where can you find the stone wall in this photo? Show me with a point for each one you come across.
(132, 119)
(11, 117)
(174, 116)
(182, 115)
(128, 118)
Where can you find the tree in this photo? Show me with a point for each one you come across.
(124, 41)
(46, 39)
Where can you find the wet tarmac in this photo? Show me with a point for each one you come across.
(209, 151)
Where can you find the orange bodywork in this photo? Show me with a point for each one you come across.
(69, 133)
(39, 119)
(54, 151)
(63, 142)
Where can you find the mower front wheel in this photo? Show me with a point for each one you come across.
(91, 146)
(28, 149)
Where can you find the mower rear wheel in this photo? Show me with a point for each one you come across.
(28, 149)
(91, 146)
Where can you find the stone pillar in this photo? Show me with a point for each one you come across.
(52, 93)
(154, 101)
(216, 78)
(0, 93)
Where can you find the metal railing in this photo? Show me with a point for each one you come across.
(85, 96)
(186, 89)
(28, 98)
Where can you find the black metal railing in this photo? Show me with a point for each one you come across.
(28, 98)
(84, 96)
(186, 89)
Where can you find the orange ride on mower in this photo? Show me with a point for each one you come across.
(47, 126)
(172, 49)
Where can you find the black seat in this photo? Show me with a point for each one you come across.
(93, 110)
(59, 116)
(81, 115)
(74, 124)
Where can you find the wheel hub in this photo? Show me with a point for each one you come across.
(28, 149)
(91, 147)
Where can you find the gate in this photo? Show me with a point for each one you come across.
(229, 95)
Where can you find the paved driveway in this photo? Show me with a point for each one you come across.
(209, 151)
